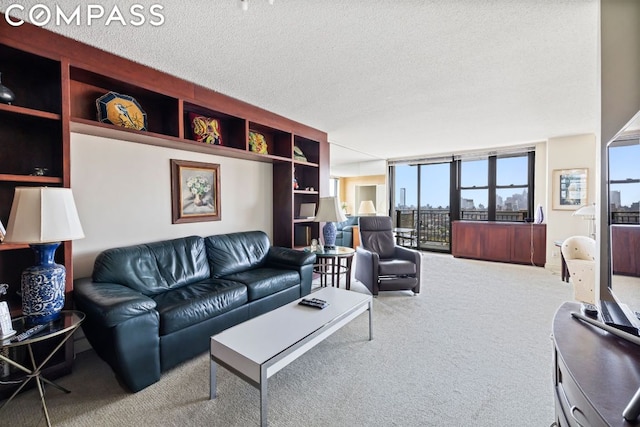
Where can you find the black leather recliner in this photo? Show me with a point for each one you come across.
(381, 265)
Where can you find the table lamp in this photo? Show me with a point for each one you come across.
(366, 208)
(43, 217)
(329, 212)
(588, 212)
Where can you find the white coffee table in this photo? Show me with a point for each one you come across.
(258, 348)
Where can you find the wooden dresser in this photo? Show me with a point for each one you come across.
(595, 375)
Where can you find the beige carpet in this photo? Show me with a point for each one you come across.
(473, 349)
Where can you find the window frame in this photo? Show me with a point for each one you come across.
(492, 187)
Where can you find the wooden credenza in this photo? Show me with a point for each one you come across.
(513, 242)
(625, 247)
(596, 373)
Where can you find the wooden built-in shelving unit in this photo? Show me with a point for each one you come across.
(57, 80)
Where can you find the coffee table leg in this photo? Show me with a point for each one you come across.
(263, 396)
(212, 381)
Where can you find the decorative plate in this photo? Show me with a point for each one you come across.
(257, 143)
(121, 110)
(205, 129)
(298, 154)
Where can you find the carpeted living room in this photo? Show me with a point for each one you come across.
(456, 354)
(453, 183)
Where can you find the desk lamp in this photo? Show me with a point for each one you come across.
(43, 217)
(588, 212)
(329, 212)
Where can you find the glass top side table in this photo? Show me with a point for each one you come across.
(330, 264)
(68, 322)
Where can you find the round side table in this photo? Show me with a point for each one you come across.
(68, 322)
(330, 264)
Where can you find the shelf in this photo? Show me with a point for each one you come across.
(86, 87)
(13, 246)
(302, 220)
(233, 130)
(279, 143)
(104, 130)
(29, 112)
(303, 163)
(314, 192)
(30, 141)
(33, 79)
(30, 179)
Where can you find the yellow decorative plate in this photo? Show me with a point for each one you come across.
(121, 110)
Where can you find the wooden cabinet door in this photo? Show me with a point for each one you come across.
(528, 244)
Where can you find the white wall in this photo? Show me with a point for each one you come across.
(123, 194)
(569, 152)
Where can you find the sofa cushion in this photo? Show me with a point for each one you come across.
(197, 302)
(236, 252)
(154, 268)
(261, 282)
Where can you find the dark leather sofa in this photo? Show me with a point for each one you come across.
(344, 231)
(152, 306)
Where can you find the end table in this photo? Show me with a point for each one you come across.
(68, 322)
(330, 264)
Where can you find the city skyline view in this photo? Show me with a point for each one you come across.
(435, 183)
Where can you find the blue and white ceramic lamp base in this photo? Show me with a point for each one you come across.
(43, 286)
(329, 232)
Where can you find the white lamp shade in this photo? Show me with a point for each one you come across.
(329, 211)
(587, 211)
(43, 215)
(366, 208)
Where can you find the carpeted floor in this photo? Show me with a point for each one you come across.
(473, 349)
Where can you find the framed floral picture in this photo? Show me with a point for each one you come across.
(195, 191)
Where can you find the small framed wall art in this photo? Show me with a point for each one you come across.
(195, 191)
(570, 188)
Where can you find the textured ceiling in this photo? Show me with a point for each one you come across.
(383, 78)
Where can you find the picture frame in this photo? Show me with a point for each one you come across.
(195, 191)
(570, 188)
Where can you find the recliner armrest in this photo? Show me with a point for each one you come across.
(110, 303)
(400, 252)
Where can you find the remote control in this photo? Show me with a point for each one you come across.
(314, 302)
(590, 310)
(26, 334)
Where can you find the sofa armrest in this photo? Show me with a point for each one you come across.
(122, 325)
(110, 303)
(347, 236)
(289, 258)
(292, 259)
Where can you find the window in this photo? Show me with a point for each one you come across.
(474, 189)
(624, 183)
(497, 188)
(512, 188)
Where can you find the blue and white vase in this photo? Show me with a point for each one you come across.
(329, 232)
(43, 286)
